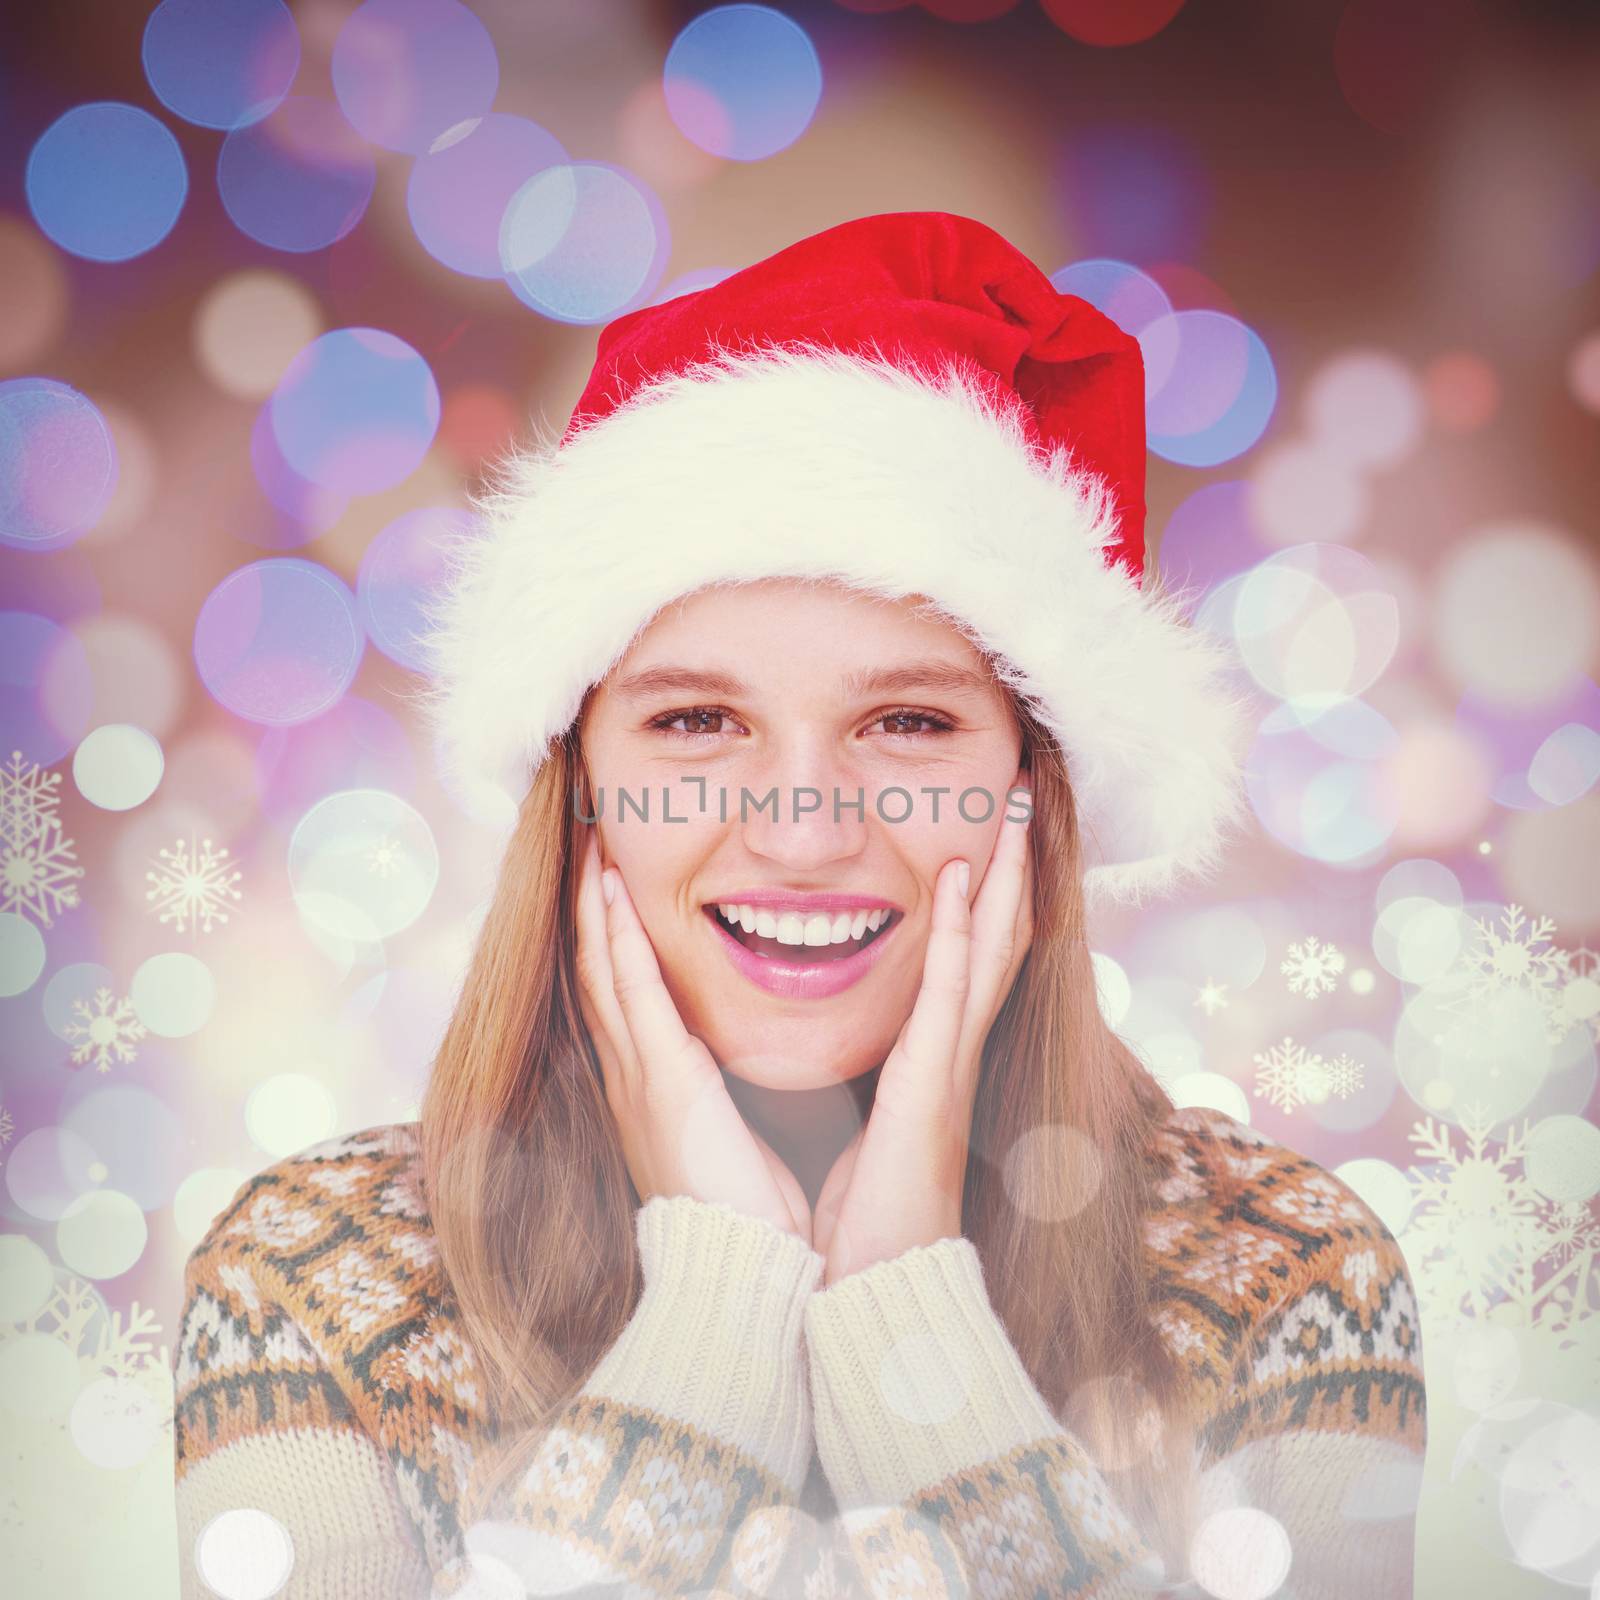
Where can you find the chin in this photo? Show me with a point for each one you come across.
(777, 1042)
(798, 1056)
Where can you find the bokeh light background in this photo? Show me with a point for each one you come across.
(276, 280)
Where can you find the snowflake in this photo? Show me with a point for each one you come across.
(1212, 998)
(192, 885)
(37, 864)
(1344, 1076)
(1312, 967)
(1579, 1001)
(1573, 1229)
(1289, 1075)
(1486, 1242)
(7, 1126)
(76, 1316)
(108, 1030)
(384, 857)
(125, 1352)
(1515, 954)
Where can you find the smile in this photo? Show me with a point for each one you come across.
(802, 956)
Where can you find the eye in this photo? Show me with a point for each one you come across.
(935, 724)
(714, 715)
(706, 722)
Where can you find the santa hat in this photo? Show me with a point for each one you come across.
(902, 403)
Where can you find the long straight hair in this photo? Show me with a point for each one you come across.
(532, 1204)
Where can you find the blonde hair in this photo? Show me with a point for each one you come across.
(532, 1204)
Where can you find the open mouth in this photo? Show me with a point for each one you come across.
(852, 942)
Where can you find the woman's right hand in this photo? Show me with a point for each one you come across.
(681, 1132)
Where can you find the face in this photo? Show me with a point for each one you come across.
(765, 712)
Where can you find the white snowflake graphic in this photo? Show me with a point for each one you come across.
(1211, 997)
(37, 863)
(1312, 968)
(192, 885)
(384, 857)
(104, 1348)
(1289, 1075)
(1484, 1242)
(1512, 953)
(7, 1126)
(108, 1029)
(125, 1352)
(1579, 1001)
(1344, 1076)
(1573, 1228)
(1515, 952)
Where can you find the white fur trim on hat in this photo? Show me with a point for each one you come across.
(801, 461)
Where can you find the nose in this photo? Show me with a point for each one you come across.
(807, 807)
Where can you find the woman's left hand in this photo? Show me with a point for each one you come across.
(899, 1182)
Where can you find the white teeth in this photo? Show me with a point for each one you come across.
(790, 927)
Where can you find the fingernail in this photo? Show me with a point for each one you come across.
(964, 877)
(608, 884)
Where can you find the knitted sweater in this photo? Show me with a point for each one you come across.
(752, 1434)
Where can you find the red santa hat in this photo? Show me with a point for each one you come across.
(904, 404)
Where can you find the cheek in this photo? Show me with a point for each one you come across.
(656, 861)
(926, 845)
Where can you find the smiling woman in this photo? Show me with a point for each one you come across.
(783, 1217)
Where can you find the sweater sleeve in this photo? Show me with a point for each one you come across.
(952, 1473)
(679, 1466)
(276, 1478)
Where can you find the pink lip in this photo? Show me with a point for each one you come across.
(802, 900)
(796, 980)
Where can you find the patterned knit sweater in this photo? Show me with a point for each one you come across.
(752, 1434)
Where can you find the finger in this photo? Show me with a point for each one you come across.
(652, 1018)
(1004, 902)
(596, 981)
(920, 1070)
(1002, 931)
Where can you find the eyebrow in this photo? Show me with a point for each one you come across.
(943, 677)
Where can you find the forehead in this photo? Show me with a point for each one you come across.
(788, 637)
(770, 615)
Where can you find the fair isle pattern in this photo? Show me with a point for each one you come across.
(316, 1303)
(1039, 1522)
(1285, 1300)
(626, 1494)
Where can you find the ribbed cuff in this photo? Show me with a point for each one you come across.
(913, 1377)
(716, 1338)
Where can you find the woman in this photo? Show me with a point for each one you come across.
(783, 1219)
